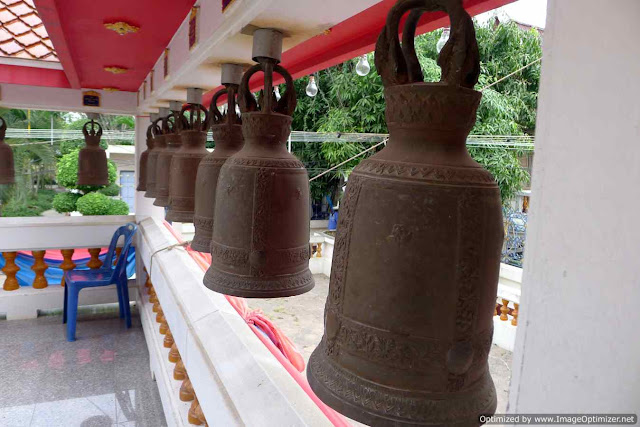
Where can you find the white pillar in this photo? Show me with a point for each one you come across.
(578, 342)
(144, 207)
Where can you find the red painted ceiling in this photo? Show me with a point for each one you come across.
(86, 47)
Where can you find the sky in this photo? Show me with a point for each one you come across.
(532, 12)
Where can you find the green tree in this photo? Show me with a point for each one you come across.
(98, 204)
(66, 202)
(347, 102)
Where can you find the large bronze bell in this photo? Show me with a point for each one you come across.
(171, 132)
(93, 169)
(7, 169)
(260, 245)
(159, 145)
(227, 134)
(409, 316)
(144, 159)
(184, 166)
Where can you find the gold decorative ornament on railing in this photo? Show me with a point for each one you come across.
(39, 267)
(179, 372)
(94, 263)
(10, 269)
(67, 263)
(186, 390)
(504, 311)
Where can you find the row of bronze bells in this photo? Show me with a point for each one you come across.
(7, 169)
(175, 147)
(258, 192)
(409, 315)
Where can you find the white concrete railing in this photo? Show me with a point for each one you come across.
(43, 233)
(509, 288)
(236, 380)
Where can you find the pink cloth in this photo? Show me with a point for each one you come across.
(56, 255)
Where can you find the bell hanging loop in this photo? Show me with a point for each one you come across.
(260, 242)
(409, 315)
(93, 169)
(185, 162)
(7, 168)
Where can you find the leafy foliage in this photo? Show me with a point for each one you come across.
(94, 204)
(118, 207)
(347, 102)
(66, 202)
(99, 204)
(112, 190)
(34, 205)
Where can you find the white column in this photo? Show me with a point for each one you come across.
(578, 343)
(144, 207)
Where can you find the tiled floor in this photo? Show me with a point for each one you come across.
(102, 379)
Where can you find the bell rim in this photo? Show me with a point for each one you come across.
(200, 244)
(202, 239)
(213, 277)
(161, 201)
(179, 216)
(368, 416)
(7, 180)
(89, 183)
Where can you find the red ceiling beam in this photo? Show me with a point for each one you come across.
(48, 12)
(353, 37)
(21, 75)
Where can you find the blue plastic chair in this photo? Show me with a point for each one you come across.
(75, 280)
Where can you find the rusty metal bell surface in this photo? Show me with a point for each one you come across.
(7, 168)
(159, 144)
(260, 245)
(144, 161)
(227, 135)
(92, 160)
(171, 132)
(185, 162)
(409, 315)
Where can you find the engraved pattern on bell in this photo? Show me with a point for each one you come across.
(409, 315)
(260, 243)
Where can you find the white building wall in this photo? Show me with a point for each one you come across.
(578, 344)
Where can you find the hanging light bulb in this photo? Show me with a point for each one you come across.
(312, 88)
(276, 91)
(363, 67)
(444, 37)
